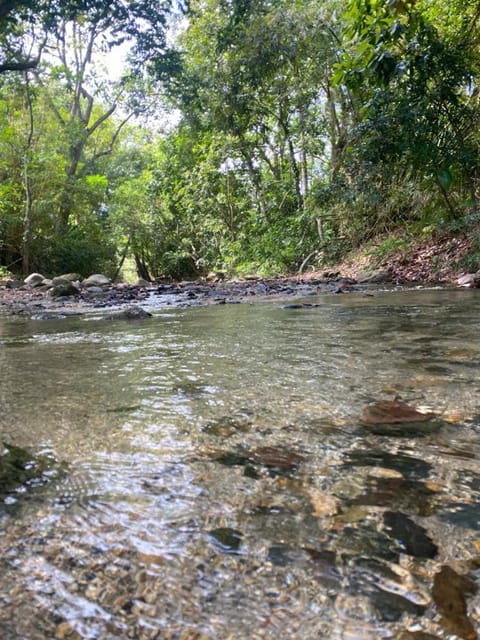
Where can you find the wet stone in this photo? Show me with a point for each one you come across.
(232, 459)
(64, 289)
(389, 606)
(130, 313)
(19, 468)
(405, 464)
(375, 566)
(251, 472)
(397, 418)
(294, 306)
(416, 635)
(276, 459)
(226, 539)
(280, 554)
(325, 568)
(410, 535)
(398, 493)
(462, 515)
(449, 594)
(226, 426)
(366, 540)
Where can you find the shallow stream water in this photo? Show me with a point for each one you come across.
(211, 479)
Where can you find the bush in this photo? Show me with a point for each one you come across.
(76, 252)
(177, 265)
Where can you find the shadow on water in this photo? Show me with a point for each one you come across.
(216, 480)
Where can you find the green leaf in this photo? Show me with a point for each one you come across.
(445, 178)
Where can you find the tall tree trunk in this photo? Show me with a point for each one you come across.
(67, 199)
(141, 267)
(303, 153)
(122, 260)
(293, 163)
(27, 184)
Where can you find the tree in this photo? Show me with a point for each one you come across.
(141, 22)
(256, 74)
(415, 84)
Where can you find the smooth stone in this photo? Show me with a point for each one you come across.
(468, 281)
(395, 417)
(449, 594)
(413, 537)
(72, 277)
(375, 276)
(397, 493)
(60, 280)
(276, 458)
(65, 289)
(96, 290)
(408, 466)
(96, 280)
(226, 539)
(34, 280)
(293, 306)
(18, 467)
(280, 554)
(14, 284)
(416, 635)
(391, 606)
(130, 313)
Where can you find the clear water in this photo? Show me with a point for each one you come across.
(217, 482)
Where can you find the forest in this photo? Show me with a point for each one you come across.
(244, 136)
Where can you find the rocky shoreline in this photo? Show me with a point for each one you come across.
(48, 299)
(42, 301)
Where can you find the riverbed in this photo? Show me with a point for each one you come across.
(210, 477)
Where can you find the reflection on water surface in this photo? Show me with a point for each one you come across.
(216, 483)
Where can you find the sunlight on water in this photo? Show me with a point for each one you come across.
(211, 479)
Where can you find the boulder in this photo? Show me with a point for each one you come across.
(130, 313)
(96, 280)
(34, 280)
(374, 276)
(97, 291)
(14, 284)
(64, 289)
(72, 277)
(468, 281)
(60, 280)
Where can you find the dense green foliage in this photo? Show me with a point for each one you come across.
(265, 136)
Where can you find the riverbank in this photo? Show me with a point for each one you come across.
(39, 304)
(439, 258)
(441, 261)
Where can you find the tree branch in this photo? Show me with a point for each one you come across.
(19, 65)
(99, 121)
(23, 65)
(114, 138)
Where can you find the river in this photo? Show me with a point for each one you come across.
(210, 477)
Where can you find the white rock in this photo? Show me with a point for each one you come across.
(71, 277)
(34, 280)
(96, 280)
